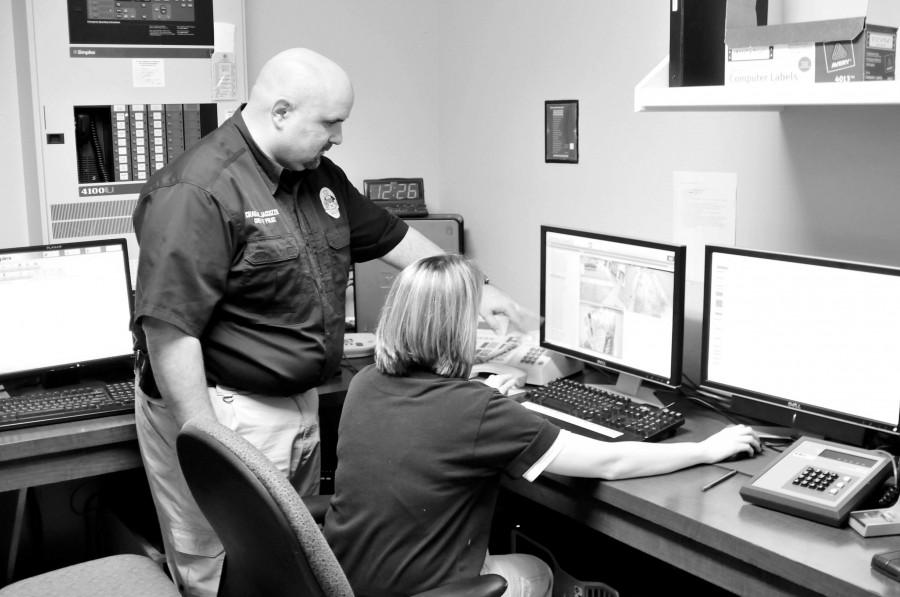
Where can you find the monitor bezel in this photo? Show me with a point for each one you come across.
(792, 408)
(674, 380)
(74, 366)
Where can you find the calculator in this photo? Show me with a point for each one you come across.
(818, 479)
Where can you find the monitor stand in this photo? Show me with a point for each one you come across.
(632, 386)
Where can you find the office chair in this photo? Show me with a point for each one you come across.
(273, 545)
(112, 576)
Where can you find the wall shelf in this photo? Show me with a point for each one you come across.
(653, 94)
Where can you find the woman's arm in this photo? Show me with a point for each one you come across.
(585, 457)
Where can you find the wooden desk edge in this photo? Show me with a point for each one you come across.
(45, 440)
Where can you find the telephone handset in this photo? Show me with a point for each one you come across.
(521, 354)
(494, 368)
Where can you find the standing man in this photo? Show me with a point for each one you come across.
(246, 243)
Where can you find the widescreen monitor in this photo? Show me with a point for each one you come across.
(812, 341)
(63, 306)
(616, 303)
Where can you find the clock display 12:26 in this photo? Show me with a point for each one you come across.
(394, 189)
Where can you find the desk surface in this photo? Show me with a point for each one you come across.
(715, 534)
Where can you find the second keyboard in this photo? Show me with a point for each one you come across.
(71, 403)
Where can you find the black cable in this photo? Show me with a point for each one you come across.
(691, 392)
(691, 383)
(98, 148)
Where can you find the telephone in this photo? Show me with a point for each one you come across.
(521, 354)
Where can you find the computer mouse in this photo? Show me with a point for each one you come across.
(742, 455)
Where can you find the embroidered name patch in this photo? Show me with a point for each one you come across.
(269, 216)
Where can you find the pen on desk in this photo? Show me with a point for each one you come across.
(715, 482)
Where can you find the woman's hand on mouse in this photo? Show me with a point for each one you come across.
(731, 441)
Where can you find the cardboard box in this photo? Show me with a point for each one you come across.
(870, 56)
(852, 48)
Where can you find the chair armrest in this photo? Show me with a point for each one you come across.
(486, 585)
(317, 506)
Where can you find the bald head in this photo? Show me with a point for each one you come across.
(297, 106)
(296, 74)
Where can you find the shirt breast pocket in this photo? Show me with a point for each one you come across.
(272, 277)
(339, 242)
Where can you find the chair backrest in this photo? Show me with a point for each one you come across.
(273, 547)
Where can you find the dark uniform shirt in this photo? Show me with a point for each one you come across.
(420, 460)
(253, 263)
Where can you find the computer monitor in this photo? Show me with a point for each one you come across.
(804, 342)
(616, 303)
(63, 307)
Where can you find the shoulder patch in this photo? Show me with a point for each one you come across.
(329, 202)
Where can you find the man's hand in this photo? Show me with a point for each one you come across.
(504, 315)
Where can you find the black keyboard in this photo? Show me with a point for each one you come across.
(70, 403)
(602, 414)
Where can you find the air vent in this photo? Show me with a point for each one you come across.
(91, 218)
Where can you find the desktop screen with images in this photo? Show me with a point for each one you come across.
(615, 302)
(813, 340)
(63, 306)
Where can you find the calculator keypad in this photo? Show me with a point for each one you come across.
(818, 479)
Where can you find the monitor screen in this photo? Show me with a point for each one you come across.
(809, 336)
(63, 306)
(614, 302)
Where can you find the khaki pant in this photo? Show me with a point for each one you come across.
(285, 429)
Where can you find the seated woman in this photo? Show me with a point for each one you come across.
(421, 449)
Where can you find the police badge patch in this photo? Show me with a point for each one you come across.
(329, 202)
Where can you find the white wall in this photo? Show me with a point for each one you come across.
(389, 48)
(822, 181)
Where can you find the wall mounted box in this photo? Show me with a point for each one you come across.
(853, 48)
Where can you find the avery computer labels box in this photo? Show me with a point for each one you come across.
(845, 49)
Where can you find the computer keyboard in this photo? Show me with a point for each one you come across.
(70, 403)
(601, 413)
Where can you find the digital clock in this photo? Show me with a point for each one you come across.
(394, 189)
(404, 197)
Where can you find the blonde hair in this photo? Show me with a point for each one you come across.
(430, 318)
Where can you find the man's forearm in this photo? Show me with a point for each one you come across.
(177, 361)
(414, 245)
